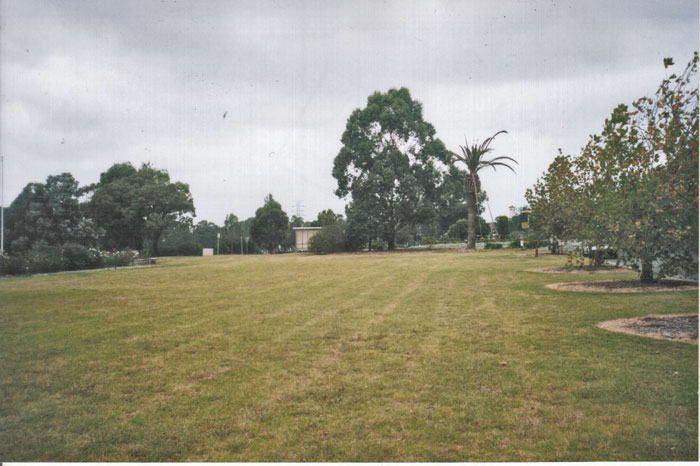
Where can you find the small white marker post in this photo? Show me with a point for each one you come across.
(218, 237)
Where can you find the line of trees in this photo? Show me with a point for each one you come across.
(401, 181)
(57, 225)
(634, 187)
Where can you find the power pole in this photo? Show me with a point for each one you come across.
(299, 208)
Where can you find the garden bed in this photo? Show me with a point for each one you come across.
(625, 286)
(585, 269)
(677, 327)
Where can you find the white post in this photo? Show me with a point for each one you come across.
(218, 236)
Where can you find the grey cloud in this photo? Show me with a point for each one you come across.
(150, 80)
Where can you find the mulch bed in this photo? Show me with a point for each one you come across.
(625, 286)
(677, 327)
(584, 269)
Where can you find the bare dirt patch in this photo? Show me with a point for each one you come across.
(625, 286)
(585, 269)
(676, 327)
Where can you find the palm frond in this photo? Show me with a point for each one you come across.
(494, 164)
(496, 159)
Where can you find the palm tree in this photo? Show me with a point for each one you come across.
(474, 158)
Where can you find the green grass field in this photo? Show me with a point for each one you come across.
(345, 357)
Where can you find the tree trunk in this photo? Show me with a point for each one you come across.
(555, 246)
(597, 258)
(471, 220)
(647, 275)
(154, 248)
(391, 242)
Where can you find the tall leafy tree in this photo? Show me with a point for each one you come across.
(49, 212)
(474, 159)
(389, 164)
(326, 218)
(270, 225)
(635, 184)
(552, 202)
(136, 206)
(502, 226)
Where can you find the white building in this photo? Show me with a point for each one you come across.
(304, 234)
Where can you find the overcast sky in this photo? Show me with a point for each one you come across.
(88, 84)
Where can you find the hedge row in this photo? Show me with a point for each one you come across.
(43, 258)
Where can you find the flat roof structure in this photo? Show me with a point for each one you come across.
(303, 235)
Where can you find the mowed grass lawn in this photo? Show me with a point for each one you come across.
(343, 357)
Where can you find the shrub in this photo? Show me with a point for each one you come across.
(44, 258)
(167, 251)
(493, 246)
(78, 257)
(428, 240)
(531, 244)
(329, 240)
(514, 244)
(458, 230)
(12, 265)
(189, 249)
(118, 258)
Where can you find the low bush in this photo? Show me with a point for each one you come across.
(514, 244)
(428, 240)
(12, 265)
(118, 258)
(493, 246)
(189, 249)
(42, 258)
(531, 244)
(329, 240)
(78, 257)
(167, 251)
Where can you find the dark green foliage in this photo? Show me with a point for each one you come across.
(388, 166)
(329, 240)
(205, 234)
(502, 226)
(493, 246)
(12, 265)
(134, 207)
(269, 228)
(189, 249)
(514, 244)
(42, 258)
(48, 212)
(78, 257)
(325, 218)
(458, 230)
